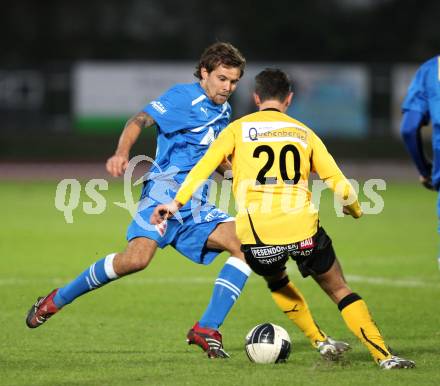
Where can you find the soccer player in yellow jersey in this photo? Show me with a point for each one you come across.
(272, 157)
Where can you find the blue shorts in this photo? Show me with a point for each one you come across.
(187, 232)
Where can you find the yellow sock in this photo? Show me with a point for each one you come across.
(292, 303)
(358, 319)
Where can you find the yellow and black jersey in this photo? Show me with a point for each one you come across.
(272, 157)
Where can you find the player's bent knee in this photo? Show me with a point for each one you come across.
(233, 246)
(127, 263)
(224, 237)
(136, 257)
(139, 262)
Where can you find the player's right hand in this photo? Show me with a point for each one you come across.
(116, 165)
(163, 212)
(426, 182)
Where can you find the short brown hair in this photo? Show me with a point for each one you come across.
(272, 83)
(220, 53)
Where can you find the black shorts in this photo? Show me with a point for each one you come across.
(313, 256)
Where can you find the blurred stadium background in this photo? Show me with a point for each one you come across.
(71, 73)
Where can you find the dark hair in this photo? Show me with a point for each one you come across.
(220, 53)
(272, 83)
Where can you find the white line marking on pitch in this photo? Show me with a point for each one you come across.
(382, 281)
(408, 282)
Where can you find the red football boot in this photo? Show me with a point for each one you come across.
(208, 339)
(42, 310)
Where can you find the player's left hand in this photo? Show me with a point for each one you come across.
(349, 211)
(426, 182)
(164, 211)
(225, 169)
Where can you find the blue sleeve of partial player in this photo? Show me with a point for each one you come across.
(410, 128)
(171, 111)
(416, 98)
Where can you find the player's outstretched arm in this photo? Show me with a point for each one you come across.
(164, 211)
(324, 164)
(117, 163)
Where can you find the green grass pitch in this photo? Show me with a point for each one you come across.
(132, 332)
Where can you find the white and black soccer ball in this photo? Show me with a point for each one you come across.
(268, 343)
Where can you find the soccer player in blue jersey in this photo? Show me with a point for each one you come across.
(188, 117)
(422, 105)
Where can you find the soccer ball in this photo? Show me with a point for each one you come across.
(268, 343)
